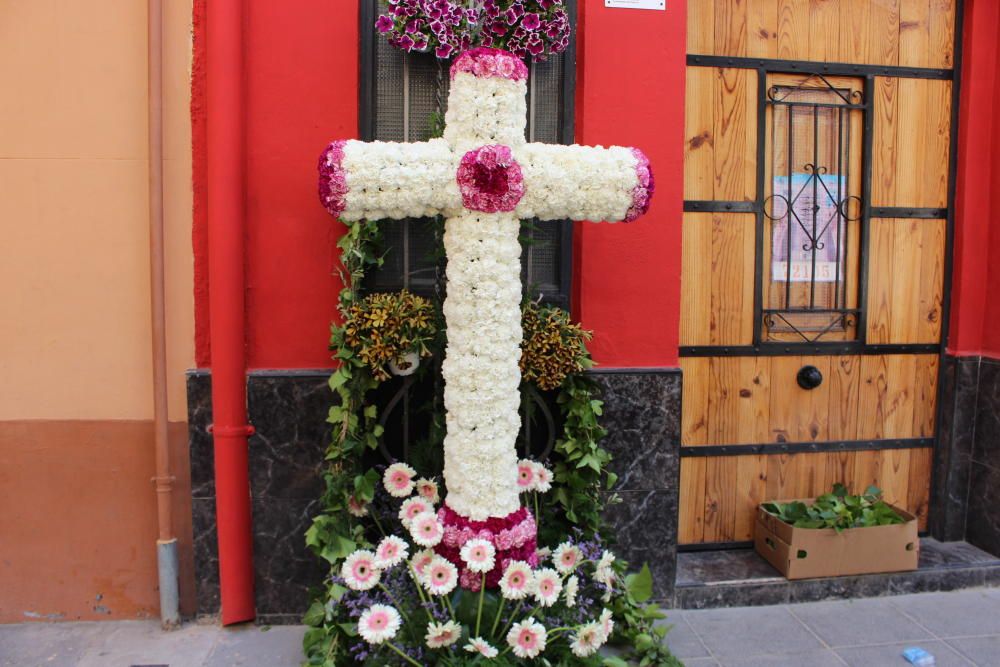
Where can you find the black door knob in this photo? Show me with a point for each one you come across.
(809, 377)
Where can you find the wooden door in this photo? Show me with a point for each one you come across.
(818, 199)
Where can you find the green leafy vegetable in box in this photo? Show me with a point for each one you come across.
(838, 510)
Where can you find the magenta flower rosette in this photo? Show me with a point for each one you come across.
(490, 179)
(514, 537)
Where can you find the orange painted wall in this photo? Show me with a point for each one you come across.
(76, 446)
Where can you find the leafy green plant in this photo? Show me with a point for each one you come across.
(351, 508)
(838, 510)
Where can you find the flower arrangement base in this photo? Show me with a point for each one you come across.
(514, 536)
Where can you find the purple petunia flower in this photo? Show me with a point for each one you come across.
(531, 22)
(383, 24)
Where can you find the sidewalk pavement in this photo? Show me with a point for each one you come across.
(959, 628)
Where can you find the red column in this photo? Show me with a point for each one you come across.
(226, 215)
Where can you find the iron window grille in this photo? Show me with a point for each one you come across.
(811, 209)
(401, 97)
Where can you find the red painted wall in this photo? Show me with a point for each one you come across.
(631, 92)
(302, 81)
(975, 322)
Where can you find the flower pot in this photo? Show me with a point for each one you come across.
(405, 365)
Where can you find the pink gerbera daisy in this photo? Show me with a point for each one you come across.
(479, 555)
(398, 480)
(421, 560)
(441, 576)
(588, 639)
(566, 558)
(440, 635)
(360, 571)
(428, 490)
(527, 638)
(482, 647)
(517, 581)
(525, 475)
(390, 552)
(548, 585)
(543, 478)
(378, 623)
(412, 508)
(426, 530)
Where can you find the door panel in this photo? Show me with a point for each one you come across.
(720, 133)
(905, 289)
(911, 141)
(718, 308)
(848, 278)
(908, 33)
(755, 400)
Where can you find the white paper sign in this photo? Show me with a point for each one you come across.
(636, 4)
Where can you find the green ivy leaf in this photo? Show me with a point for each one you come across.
(640, 584)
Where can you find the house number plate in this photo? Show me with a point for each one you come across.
(636, 4)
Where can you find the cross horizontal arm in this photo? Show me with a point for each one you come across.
(583, 182)
(380, 180)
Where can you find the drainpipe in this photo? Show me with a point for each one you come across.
(166, 543)
(226, 213)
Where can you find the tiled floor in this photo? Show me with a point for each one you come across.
(959, 628)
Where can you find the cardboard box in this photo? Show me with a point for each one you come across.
(805, 553)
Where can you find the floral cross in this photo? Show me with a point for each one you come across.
(483, 177)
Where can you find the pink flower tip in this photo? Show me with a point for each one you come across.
(642, 193)
(486, 62)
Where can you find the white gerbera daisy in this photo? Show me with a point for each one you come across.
(543, 478)
(440, 635)
(527, 638)
(412, 508)
(607, 623)
(570, 590)
(479, 555)
(360, 570)
(428, 490)
(548, 585)
(391, 551)
(587, 640)
(441, 576)
(517, 581)
(356, 507)
(604, 573)
(426, 530)
(566, 557)
(482, 647)
(378, 623)
(398, 480)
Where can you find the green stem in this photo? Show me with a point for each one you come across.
(510, 621)
(447, 603)
(403, 655)
(420, 592)
(396, 604)
(479, 612)
(537, 518)
(496, 620)
(377, 523)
